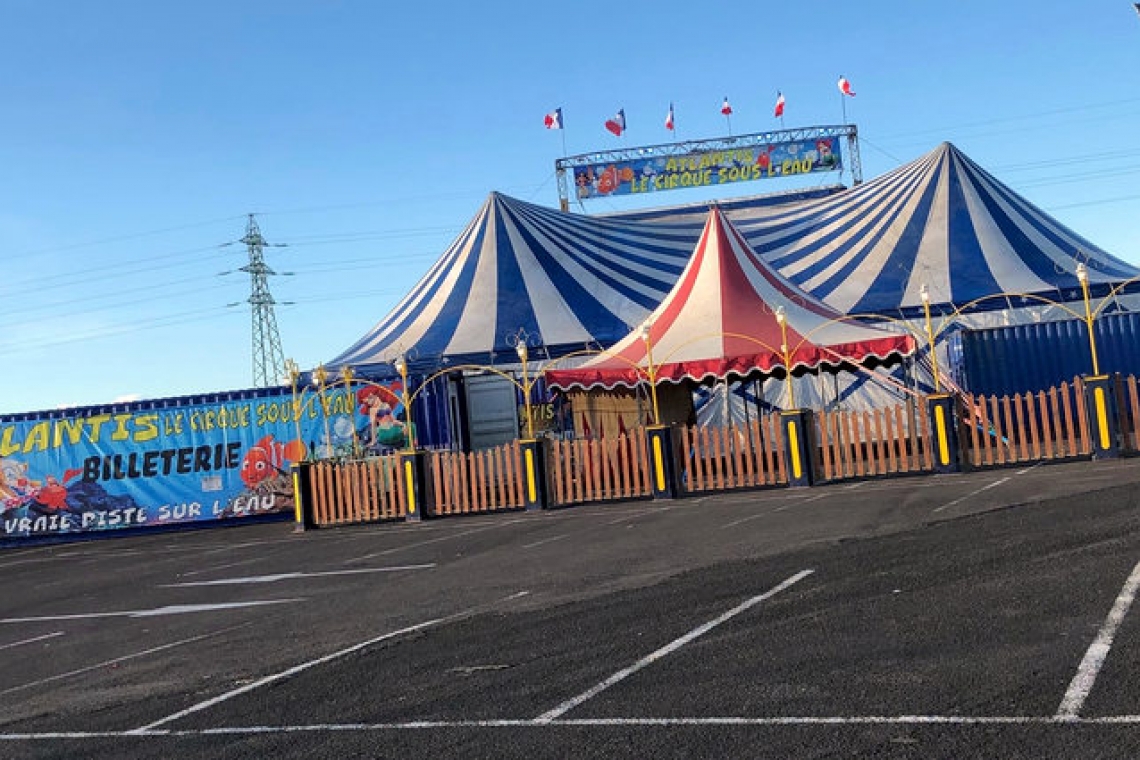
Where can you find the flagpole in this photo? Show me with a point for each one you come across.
(843, 102)
(728, 118)
(563, 131)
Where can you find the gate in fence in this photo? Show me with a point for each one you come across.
(344, 493)
(1027, 427)
(477, 481)
(890, 441)
(599, 470)
(745, 456)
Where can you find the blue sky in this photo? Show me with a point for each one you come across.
(135, 138)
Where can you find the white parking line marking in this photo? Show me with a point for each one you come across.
(319, 661)
(668, 649)
(27, 561)
(890, 484)
(644, 513)
(1083, 681)
(124, 658)
(296, 575)
(545, 541)
(170, 609)
(31, 641)
(243, 545)
(840, 720)
(987, 487)
(786, 507)
(743, 520)
(630, 517)
(420, 725)
(425, 542)
(961, 499)
(214, 568)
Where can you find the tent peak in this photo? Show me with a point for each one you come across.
(946, 148)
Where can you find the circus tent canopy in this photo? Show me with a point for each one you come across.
(940, 221)
(571, 281)
(568, 281)
(720, 319)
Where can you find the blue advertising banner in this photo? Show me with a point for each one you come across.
(146, 465)
(707, 168)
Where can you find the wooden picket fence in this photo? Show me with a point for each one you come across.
(597, 470)
(743, 456)
(1027, 427)
(368, 490)
(1128, 410)
(477, 481)
(856, 444)
(993, 432)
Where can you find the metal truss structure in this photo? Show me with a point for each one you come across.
(268, 357)
(733, 142)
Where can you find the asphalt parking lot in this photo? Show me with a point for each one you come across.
(986, 614)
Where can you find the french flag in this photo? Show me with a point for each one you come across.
(617, 123)
(669, 118)
(726, 109)
(845, 86)
(779, 104)
(553, 120)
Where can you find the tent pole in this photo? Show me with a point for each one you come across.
(726, 416)
(744, 403)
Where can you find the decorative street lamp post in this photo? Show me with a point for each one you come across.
(646, 335)
(322, 377)
(293, 372)
(520, 347)
(1083, 277)
(401, 365)
(782, 320)
(925, 293)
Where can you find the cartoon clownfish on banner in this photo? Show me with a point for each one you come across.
(268, 459)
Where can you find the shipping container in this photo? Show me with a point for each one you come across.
(1037, 356)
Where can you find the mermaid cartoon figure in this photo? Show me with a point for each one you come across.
(385, 431)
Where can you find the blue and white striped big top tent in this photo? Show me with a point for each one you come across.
(568, 281)
(940, 221)
(572, 281)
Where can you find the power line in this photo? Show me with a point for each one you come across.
(1118, 171)
(1099, 202)
(114, 330)
(1023, 117)
(338, 237)
(114, 271)
(129, 236)
(164, 291)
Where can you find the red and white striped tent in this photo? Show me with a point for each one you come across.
(720, 320)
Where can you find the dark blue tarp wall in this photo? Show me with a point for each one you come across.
(1038, 356)
(429, 411)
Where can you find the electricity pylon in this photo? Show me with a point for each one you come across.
(268, 358)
